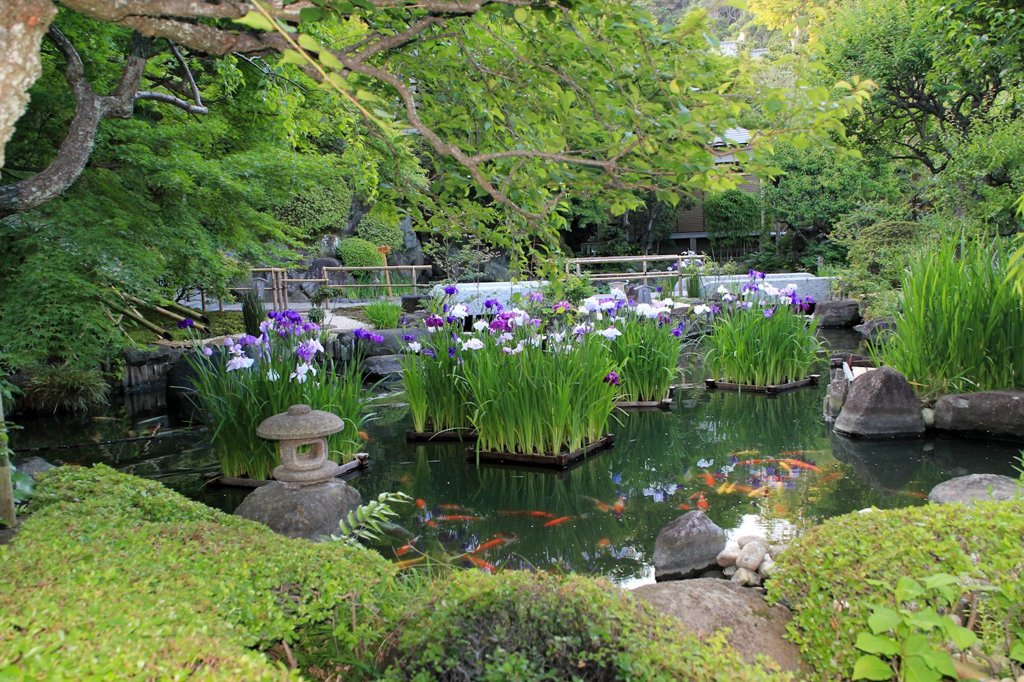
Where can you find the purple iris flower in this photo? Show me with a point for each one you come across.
(536, 297)
(429, 352)
(434, 321)
(376, 338)
(768, 312)
(535, 322)
(305, 352)
(755, 274)
(679, 329)
(187, 323)
(493, 304)
(715, 309)
(562, 307)
(450, 319)
(361, 333)
(451, 290)
(612, 378)
(408, 337)
(451, 351)
(658, 289)
(500, 324)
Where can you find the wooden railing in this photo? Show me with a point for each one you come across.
(278, 280)
(644, 276)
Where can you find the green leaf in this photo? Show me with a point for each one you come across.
(876, 644)
(673, 86)
(960, 636)
(292, 57)
(940, 662)
(883, 620)
(308, 42)
(1017, 650)
(311, 14)
(915, 669)
(255, 20)
(870, 667)
(907, 589)
(521, 14)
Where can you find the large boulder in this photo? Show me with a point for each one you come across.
(687, 547)
(311, 511)
(880, 404)
(412, 250)
(383, 367)
(840, 314)
(706, 605)
(992, 414)
(976, 487)
(32, 466)
(876, 330)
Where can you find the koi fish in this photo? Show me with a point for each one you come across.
(458, 517)
(559, 520)
(536, 514)
(915, 493)
(410, 562)
(745, 452)
(737, 488)
(420, 503)
(709, 480)
(365, 436)
(431, 523)
(619, 506)
(696, 495)
(726, 488)
(491, 544)
(790, 453)
(404, 549)
(763, 491)
(702, 504)
(685, 507)
(800, 464)
(451, 507)
(748, 462)
(604, 542)
(784, 466)
(600, 506)
(481, 564)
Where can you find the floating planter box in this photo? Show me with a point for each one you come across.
(360, 462)
(811, 380)
(663, 404)
(560, 461)
(453, 436)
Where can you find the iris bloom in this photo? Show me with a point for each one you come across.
(239, 362)
(612, 378)
(610, 333)
(472, 344)
(480, 325)
(415, 347)
(451, 290)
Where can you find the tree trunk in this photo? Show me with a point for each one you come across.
(23, 24)
(7, 515)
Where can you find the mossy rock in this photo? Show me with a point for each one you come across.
(829, 576)
(115, 577)
(520, 625)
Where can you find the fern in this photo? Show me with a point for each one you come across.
(366, 521)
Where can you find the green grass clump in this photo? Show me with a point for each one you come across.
(747, 347)
(533, 626)
(827, 576)
(962, 322)
(649, 357)
(65, 388)
(115, 577)
(383, 314)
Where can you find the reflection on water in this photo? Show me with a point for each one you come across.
(755, 463)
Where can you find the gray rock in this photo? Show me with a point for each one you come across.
(837, 314)
(412, 250)
(387, 367)
(687, 547)
(747, 539)
(727, 557)
(729, 571)
(746, 577)
(705, 606)
(751, 556)
(767, 567)
(496, 270)
(311, 512)
(714, 573)
(876, 330)
(976, 487)
(991, 414)
(928, 417)
(414, 302)
(32, 466)
(880, 404)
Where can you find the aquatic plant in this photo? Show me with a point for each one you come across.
(383, 314)
(252, 378)
(962, 323)
(761, 337)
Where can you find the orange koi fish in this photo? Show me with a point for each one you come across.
(709, 480)
(790, 453)
(604, 542)
(491, 544)
(915, 493)
(763, 491)
(800, 464)
(536, 514)
(601, 506)
(702, 504)
(404, 549)
(365, 436)
(481, 564)
(737, 488)
(748, 462)
(410, 562)
(458, 517)
(784, 466)
(451, 507)
(696, 495)
(559, 520)
(431, 523)
(737, 453)
(619, 506)
(685, 507)
(420, 503)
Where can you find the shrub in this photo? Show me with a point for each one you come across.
(533, 626)
(64, 388)
(380, 227)
(732, 217)
(572, 288)
(962, 323)
(253, 311)
(832, 575)
(383, 314)
(359, 253)
(882, 250)
(318, 208)
(154, 586)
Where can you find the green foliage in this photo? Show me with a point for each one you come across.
(569, 287)
(366, 521)
(383, 314)
(156, 586)
(732, 216)
(882, 251)
(380, 227)
(648, 354)
(64, 388)
(962, 325)
(359, 253)
(235, 399)
(254, 312)
(533, 626)
(318, 209)
(907, 642)
(24, 486)
(833, 575)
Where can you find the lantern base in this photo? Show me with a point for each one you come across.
(296, 478)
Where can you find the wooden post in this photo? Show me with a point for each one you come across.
(384, 251)
(7, 514)
(202, 300)
(679, 277)
(414, 273)
(645, 271)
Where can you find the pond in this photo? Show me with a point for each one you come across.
(715, 450)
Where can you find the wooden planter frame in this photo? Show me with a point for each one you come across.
(562, 460)
(774, 389)
(663, 404)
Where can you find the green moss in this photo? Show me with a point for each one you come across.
(824, 575)
(359, 253)
(535, 626)
(116, 577)
(380, 227)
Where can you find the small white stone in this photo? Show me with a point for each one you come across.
(745, 577)
(767, 567)
(752, 555)
(747, 539)
(928, 416)
(729, 571)
(727, 557)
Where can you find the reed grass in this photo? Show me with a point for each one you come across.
(234, 399)
(383, 314)
(648, 354)
(961, 325)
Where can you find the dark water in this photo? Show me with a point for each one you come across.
(660, 461)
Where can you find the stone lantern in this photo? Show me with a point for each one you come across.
(306, 500)
(302, 434)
